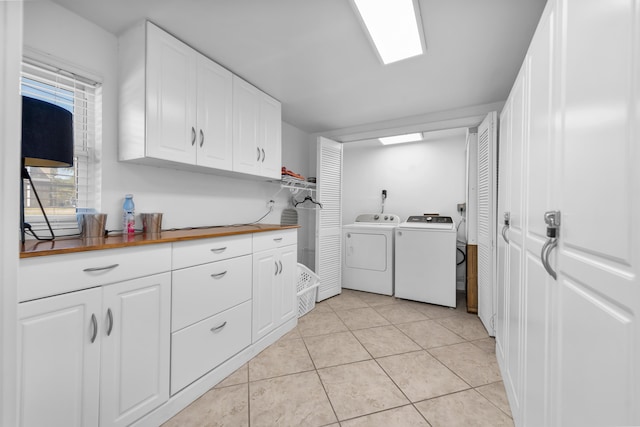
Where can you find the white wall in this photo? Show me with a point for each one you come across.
(421, 177)
(185, 198)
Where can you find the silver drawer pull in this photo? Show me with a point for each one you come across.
(108, 267)
(219, 275)
(277, 239)
(219, 250)
(217, 328)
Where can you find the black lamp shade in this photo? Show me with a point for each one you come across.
(47, 134)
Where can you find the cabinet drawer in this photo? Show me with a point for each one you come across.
(196, 252)
(201, 347)
(274, 239)
(204, 290)
(51, 275)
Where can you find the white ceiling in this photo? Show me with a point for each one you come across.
(314, 57)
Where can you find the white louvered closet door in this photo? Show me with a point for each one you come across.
(487, 168)
(329, 218)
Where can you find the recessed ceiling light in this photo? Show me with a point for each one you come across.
(394, 27)
(399, 139)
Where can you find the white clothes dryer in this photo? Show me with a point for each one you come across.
(368, 260)
(425, 263)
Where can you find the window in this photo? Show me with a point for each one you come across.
(62, 190)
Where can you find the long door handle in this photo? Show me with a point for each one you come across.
(94, 325)
(263, 155)
(276, 264)
(505, 228)
(110, 319)
(552, 218)
(258, 159)
(201, 138)
(280, 262)
(193, 136)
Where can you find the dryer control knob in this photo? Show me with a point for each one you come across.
(386, 217)
(391, 217)
(376, 217)
(429, 218)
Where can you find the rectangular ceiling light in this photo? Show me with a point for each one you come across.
(399, 139)
(394, 26)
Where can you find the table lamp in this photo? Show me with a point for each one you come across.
(47, 141)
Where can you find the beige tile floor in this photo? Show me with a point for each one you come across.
(361, 359)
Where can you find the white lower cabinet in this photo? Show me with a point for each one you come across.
(199, 348)
(135, 348)
(211, 305)
(95, 357)
(274, 281)
(59, 360)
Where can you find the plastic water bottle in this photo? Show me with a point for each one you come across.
(128, 215)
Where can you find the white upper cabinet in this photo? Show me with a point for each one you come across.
(179, 108)
(257, 131)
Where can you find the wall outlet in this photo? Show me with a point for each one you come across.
(462, 207)
(270, 203)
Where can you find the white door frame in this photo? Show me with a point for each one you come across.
(11, 25)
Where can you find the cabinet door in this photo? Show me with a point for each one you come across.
(265, 270)
(246, 112)
(287, 278)
(214, 139)
(58, 360)
(135, 348)
(270, 137)
(171, 98)
(595, 332)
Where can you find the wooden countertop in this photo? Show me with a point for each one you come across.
(62, 245)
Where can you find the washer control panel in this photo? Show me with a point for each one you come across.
(431, 219)
(379, 218)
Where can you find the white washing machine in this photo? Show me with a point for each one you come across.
(367, 262)
(425, 266)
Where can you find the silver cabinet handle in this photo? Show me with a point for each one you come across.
(201, 137)
(193, 136)
(280, 262)
(552, 218)
(263, 155)
(276, 264)
(258, 159)
(219, 275)
(277, 239)
(217, 328)
(218, 250)
(108, 267)
(110, 319)
(94, 325)
(505, 228)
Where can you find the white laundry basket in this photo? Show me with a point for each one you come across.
(307, 288)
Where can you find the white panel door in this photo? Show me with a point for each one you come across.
(171, 98)
(59, 360)
(135, 348)
(487, 206)
(270, 141)
(596, 334)
(329, 218)
(246, 116)
(265, 270)
(288, 279)
(502, 252)
(539, 198)
(214, 137)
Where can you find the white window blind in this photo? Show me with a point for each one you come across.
(62, 190)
